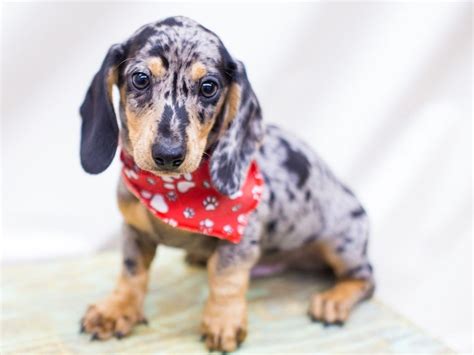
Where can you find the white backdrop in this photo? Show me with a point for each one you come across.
(382, 92)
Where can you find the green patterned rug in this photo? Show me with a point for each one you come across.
(43, 302)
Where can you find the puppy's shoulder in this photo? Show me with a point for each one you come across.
(284, 152)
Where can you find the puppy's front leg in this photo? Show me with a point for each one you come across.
(224, 322)
(123, 308)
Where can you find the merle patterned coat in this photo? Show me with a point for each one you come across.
(183, 96)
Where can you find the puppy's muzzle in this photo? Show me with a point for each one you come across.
(167, 156)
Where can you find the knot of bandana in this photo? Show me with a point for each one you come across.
(191, 203)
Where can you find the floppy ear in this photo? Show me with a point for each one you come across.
(243, 123)
(99, 130)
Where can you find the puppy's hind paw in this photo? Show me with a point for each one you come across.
(332, 307)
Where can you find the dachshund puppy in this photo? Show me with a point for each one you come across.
(185, 102)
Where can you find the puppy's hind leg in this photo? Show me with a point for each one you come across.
(123, 308)
(346, 253)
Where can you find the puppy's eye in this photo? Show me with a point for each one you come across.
(140, 81)
(209, 88)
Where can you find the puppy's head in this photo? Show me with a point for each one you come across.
(181, 96)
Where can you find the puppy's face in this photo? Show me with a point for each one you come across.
(173, 85)
(180, 93)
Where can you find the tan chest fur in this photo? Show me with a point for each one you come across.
(138, 216)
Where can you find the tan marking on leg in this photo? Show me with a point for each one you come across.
(331, 257)
(156, 67)
(198, 70)
(133, 212)
(334, 305)
(120, 311)
(224, 322)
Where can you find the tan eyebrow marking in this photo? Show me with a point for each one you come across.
(156, 66)
(198, 70)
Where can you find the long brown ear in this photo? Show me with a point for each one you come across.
(99, 130)
(235, 149)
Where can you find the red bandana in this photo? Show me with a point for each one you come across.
(191, 203)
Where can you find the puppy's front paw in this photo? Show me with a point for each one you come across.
(224, 326)
(113, 317)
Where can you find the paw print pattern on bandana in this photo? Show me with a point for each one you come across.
(172, 222)
(131, 174)
(236, 195)
(159, 204)
(242, 220)
(168, 182)
(236, 208)
(189, 212)
(206, 225)
(190, 201)
(184, 186)
(257, 192)
(174, 183)
(146, 194)
(171, 195)
(228, 229)
(210, 203)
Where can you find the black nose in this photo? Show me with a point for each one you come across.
(167, 156)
